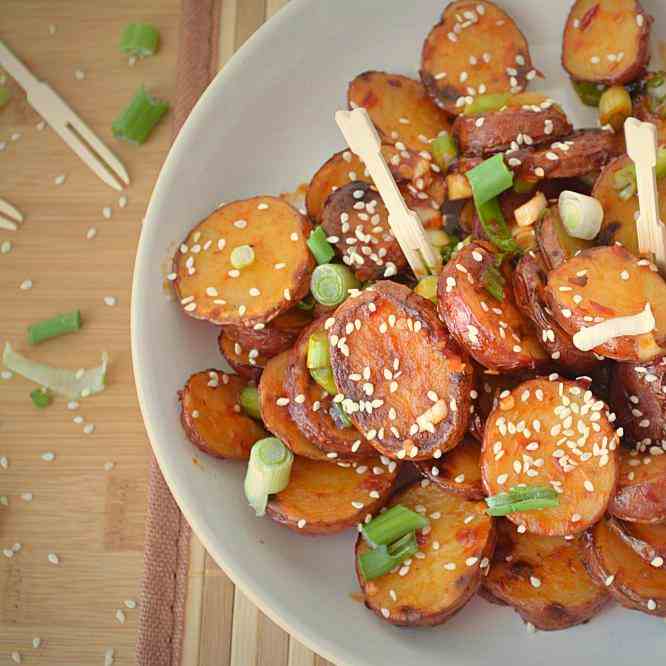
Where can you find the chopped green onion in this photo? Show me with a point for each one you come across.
(242, 256)
(495, 227)
(140, 39)
(378, 562)
(487, 103)
(655, 89)
(321, 249)
(68, 322)
(427, 287)
(319, 355)
(338, 415)
(307, 304)
(392, 524)
(41, 398)
(581, 215)
(523, 186)
(614, 107)
(330, 283)
(437, 238)
(493, 282)
(522, 498)
(5, 96)
(324, 377)
(489, 179)
(249, 401)
(524, 505)
(267, 473)
(137, 121)
(448, 251)
(589, 93)
(71, 384)
(444, 150)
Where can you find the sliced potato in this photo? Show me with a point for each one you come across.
(632, 581)
(494, 332)
(475, 49)
(208, 285)
(646, 539)
(426, 591)
(619, 225)
(325, 499)
(212, 417)
(555, 244)
(459, 470)
(399, 107)
(606, 41)
(405, 384)
(273, 403)
(641, 490)
(607, 282)
(543, 579)
(529, 285)
(638, 397)
(247, 363)
(313, 409)
(552, 432)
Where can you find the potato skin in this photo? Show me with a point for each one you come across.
(429, 594)
(218, 429)
(647, 540)
(566, 595)
(239, 359)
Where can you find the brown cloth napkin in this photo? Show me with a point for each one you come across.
(167, 540)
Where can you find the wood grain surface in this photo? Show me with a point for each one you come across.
(92, 517)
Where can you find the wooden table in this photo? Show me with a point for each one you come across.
(92, 517)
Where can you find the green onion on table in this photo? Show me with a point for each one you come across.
(140, 40)
(41, 398)
(67, 322)
(137, 121)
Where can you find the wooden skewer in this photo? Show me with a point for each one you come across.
(642, 149)
(363, 140)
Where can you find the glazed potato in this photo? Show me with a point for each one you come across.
(607, 282)
(552, 432)
(543, 579)
(638, 399)
(210, 288)
(273, 403)
(248, 363)
(458, 471)
(554, 243)
(606, 41)
(399, 107)
(619, 224)
(322, 498)
(314, 411)
(646, 539)
(641, 492)
(494, 332)
(212, 417)
(405, 383)
(501, 57)
(455, 553)
(633, 582)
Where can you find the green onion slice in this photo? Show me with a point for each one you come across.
(41, 398)
(581, 215)
(524, 186)
(379, 561)
(249, 401)
(340, 417)
(319, 354)
(487, 103)
(140, 39)
(589, 93)
(324, 377)
(489, 179)
(321, 249)
(444, 150)
(522, 498)
(427, 287)
(495, 227)
(242, 256)
(69, 383)
(68, 322)
(330, 283)
(137, 121)
(5, 96)
(267, 473)
(493, 281)
(392, 524)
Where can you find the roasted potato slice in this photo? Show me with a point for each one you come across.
(405, 384)
(553, 241)
(313, 409)
(271, 339)
(641, 492)
(607, 282)
(632, 581)
(325, 499)
(459, 470)
(529, 286)
(273, 403)
(638, 398)
(648, 540)
(476, 48)
(209, 287)
(552, 432)
(247, 363)
(543, 579)
(494, 332)
(606, 41)
(455, 553)
(399, 107)
(212, 417)
(619, 224)
(516, 123)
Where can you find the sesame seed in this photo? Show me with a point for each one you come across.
(657, 562)
(26, 285)
(48, 456)
(53, 558)
(120, 616)
(521, 529)
(471, 561)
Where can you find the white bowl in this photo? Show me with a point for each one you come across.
(264, 126)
